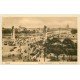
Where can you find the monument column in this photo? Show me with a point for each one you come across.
(45, 38)
(13, 33)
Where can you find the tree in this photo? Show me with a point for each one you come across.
(53, 45)
(69, 43)
(7, 31)
(74, 31)
(57, 50)
(70, 47)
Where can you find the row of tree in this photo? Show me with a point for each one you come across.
(9, 31)
(55, 46)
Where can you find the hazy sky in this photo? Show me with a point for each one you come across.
(33, 22)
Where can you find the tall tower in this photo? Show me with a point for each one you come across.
(68, 30)
(13, 33)
(45, 38)
(45, 32)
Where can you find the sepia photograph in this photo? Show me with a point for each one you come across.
(39, 39)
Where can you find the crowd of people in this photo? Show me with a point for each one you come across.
(25, 49)
(31, 48)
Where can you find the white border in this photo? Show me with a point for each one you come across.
(39, 72)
